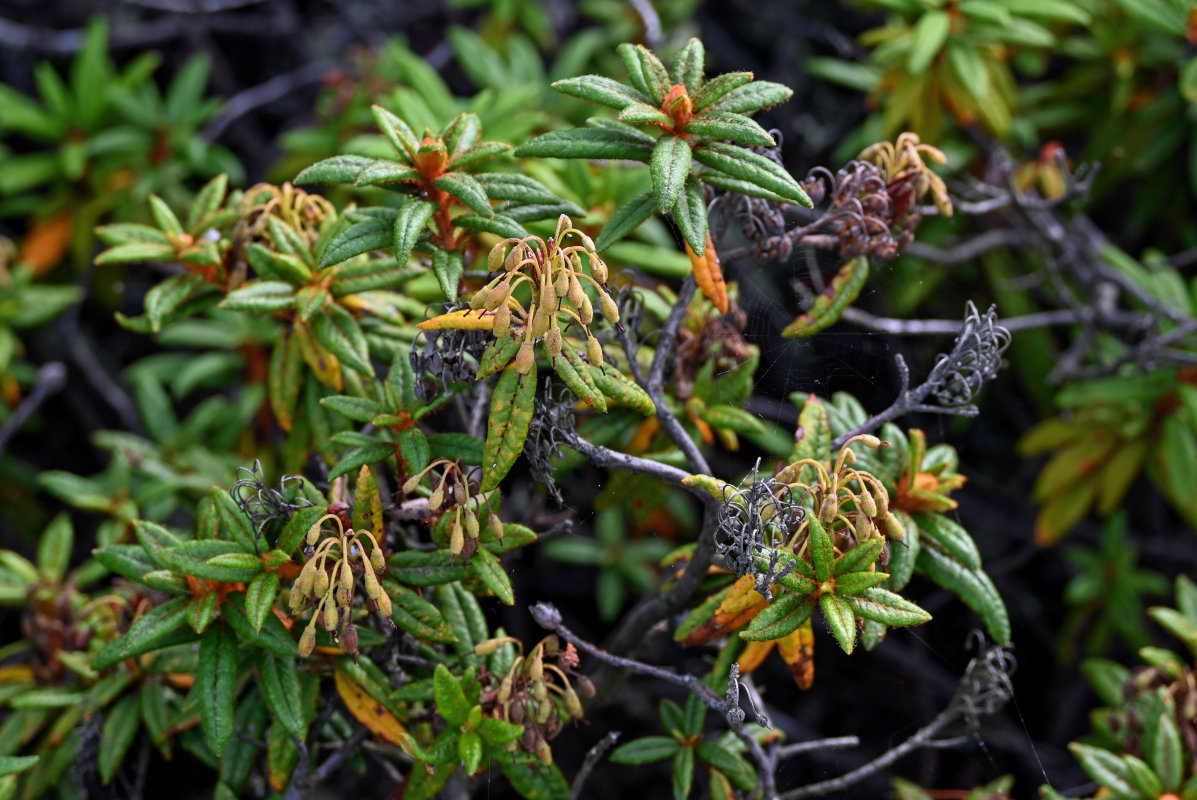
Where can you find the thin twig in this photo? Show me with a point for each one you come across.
(593, 756)
(833, 742)
(51, 377)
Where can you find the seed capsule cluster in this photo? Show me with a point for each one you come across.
(854, 498)
(329, 579)
(537, 692)
(539, 289)
(454, 493)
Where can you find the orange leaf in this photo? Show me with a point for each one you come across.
(369, 711)
(753, 655)
(798, 651)
(740, 606)
(47, 243)
(709, 274)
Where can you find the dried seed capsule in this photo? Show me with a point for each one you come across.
(540, 324)
(494, 261)
(517, 714)
(298, 598)
(552, 341)
(502, 322)
(548, 299)
(495, 525)
(598, 269)
(307, 641)
(438, 497)
(456, 539)
(575, 291)
(412, 483)
(610, 310)
(572, 704)
(321, 583)
(594, 351)
(828, 510)
(867, 504)
(525, 360)
(585, 686)
(349, 640)
(459, 494)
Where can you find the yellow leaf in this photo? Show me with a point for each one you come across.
(368, 711)
(798, 651)
(753, 655)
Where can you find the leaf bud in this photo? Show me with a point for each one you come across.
(307, 641)
(594, 352)
(552, 341)
(502, 323)
(525, 360)
(610, 310)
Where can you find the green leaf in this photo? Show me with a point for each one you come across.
(409, 224)
(735, 127)
(11, 765)
(626, 219)
(511, 411)
(781, 618)
(417, 616)
(645, 750)
(297, 527)
(622, 389)
(120, 726)
(973, 587)
(282, 692)
(135, 252)
(882, 605)
(969, 65)
(267, 296)
(365, 455)
(469, 749)
(54, 548)
(822, 549)
(164, 218)
(418, 568)
(840, 619)
(451, 701)
(930, 33)
(645, 70)
(382, 171)
(486, 567)
(601, 90)
(148, 633)
(1105, 768)
(235, 524)
(463, 186)
(949, 536)
(753, 168)
(273, 636)
(455, 446)
(587, 143)
(730, 764)
(340, 334)
(500, 225)
(338, 169)
(688, 66)
(719, 87)
(753, 97)
(859, 558)
(690, 214)
(670, 167)
(683, 773)
(358, 409)
(576, 375)
(827, 308)
(215, 686)
(259, 598)
(448, 267)
(498, 732)
(396, 132)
